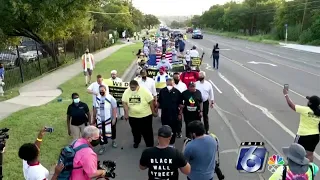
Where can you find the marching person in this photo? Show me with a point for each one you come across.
(163, 161)
(202, 160)
(162, 76)
(78, 116)
(181, 87)
(139, 106)
(207, 97)
(94, 89)
(1, 79)
(194, 52)
(116, 79)
(192, 107)
(88, 65)
(169, 101)
(215, 56)
(189, 76)
(308, 131)
(164, 63)
(148, 83)
(105, 117)
(187, 58)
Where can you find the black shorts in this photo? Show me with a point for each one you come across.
(88, 72)
(309, 142)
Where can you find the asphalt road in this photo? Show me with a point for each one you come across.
(249, 106)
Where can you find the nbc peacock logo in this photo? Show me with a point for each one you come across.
(274, 162)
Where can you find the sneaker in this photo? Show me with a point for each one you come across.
(135, 145)
(114, 144)
(179, 135)
(102, 149)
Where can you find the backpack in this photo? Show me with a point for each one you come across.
(298, 176)
(66, 158)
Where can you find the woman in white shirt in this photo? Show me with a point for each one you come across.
(32, 169)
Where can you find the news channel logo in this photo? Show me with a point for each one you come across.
(274, 162)
(252, 157)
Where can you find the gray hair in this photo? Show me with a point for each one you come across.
(90, 131)
(202, 73)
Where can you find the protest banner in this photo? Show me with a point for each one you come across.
(195, 62)
(116, 89)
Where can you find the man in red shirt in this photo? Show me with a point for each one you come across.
(189, 76)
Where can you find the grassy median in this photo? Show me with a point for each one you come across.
(25, 125)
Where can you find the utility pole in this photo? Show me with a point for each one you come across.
(253, 18)
(304, 15)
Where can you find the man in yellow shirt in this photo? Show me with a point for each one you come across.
(138, 104)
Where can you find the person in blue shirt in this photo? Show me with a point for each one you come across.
(202, 160)
(1, 71)
(182, 45)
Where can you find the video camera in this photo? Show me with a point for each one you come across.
(3, 137)
(109, 166)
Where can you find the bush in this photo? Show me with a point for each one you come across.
(294, 32)
(306, 37)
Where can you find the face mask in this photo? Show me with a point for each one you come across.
(176, 81)
(87, 52)
(102, 93)
(95, 142)
(76, 101)
(201, 79)
(163, 60)
(169, 88)
(144, 77)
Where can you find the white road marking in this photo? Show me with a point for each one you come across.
(264, 77)
(215, 86)
(254, 62)
(264, 110)
(229, 151)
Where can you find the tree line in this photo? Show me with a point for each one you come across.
(266, 17)
(49, 20)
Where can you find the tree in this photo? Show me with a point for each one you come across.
(151, 20)
(175, 24)
(46, 20)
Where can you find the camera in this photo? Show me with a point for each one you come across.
(109, 167)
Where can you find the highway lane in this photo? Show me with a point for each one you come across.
(251, 97)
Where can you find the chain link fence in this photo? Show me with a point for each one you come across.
(29, 60)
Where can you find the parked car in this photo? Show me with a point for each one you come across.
(197, 34)
(189, 30)
(8, 59)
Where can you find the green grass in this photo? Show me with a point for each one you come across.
(267, 39)
(24, 125)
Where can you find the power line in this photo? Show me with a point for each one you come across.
(96, 12)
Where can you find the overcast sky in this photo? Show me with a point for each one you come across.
(175, 7)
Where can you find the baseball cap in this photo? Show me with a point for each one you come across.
(315, 100)
(165, 131)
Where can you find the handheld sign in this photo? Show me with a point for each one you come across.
(117, 89)
(195, 62)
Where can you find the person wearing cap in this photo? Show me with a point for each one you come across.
(192, 107)
(139, 106)
(169, 101)
(189, 76)
(164, 63)
(163, 161)
(202, 160)
(87, 65)
(297, 167)
(207, 96)
(116, 79)
(308, 131)
(162, 76)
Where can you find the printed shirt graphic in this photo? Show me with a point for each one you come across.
(291, 176)
(138, 102)
(191, 107)
(88, 61)
(163, 164)
(308, 121)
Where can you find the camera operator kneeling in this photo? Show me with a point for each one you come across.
(32, 169)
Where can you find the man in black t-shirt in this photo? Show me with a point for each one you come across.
(192, 107)
(78, 116)
(164, 161)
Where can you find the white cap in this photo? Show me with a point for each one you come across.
(113, 72)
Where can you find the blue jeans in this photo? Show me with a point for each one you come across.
(216, 62)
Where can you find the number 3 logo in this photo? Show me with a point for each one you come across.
(254, 159)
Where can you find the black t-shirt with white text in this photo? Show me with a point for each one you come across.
(192, 101)
(162, 164)
(215, 51)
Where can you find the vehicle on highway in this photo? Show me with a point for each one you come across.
(177, 33)
(189, 30)
(197, 34)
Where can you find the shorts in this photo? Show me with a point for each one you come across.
(309, 142)
(88, 72)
